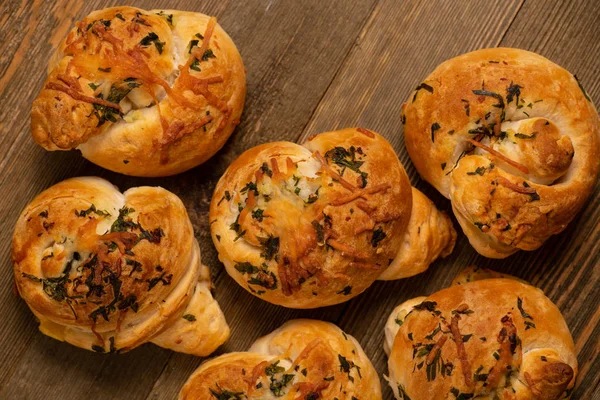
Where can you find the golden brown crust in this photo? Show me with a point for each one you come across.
(144, 93)
(200, 329)
(504, 339)
(292, 230)
(511, 139)
(109, 271)
(303, 359)
(429, 236)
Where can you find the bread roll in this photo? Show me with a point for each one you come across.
(303, 359)
(512, 139)
(107, 271)
(313, 225)
(143, 93)
(485, 338)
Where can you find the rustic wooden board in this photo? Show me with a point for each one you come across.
(312, 66)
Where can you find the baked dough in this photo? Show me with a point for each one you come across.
(484, 338)
(107, 271)
(430, 235)
(311, 225)
(303, 359)
(143, 93)
(512, 139)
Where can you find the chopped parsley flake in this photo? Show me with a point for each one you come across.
(189, 317)
(378, 236)
(345, 291)
(152, 38)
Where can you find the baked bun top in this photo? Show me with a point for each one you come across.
(303, 359)
(144, 93)
(512, 139)
(489, 338)
(312, 225)
(109, 271)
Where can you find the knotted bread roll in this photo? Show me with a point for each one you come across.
(311, 225)
(144, 93)
(303, 359)
(107, 271)
(488, 337)
(512, 140)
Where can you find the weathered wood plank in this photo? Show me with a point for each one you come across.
(399, 48)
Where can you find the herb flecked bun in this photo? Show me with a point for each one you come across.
(512, 140)
(107, 271)
(490, 336)
(311, 225)
(303, 359)
(143, 93)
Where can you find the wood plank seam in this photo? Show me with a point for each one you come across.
(363, 31)
(511, 23)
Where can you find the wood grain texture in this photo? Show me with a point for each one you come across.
(312, 66)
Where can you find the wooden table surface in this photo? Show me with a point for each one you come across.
(312, 66)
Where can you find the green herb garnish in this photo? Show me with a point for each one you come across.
(378, 236)
(152, 38)
(345, 291)
(189, 317)
(434, 128)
